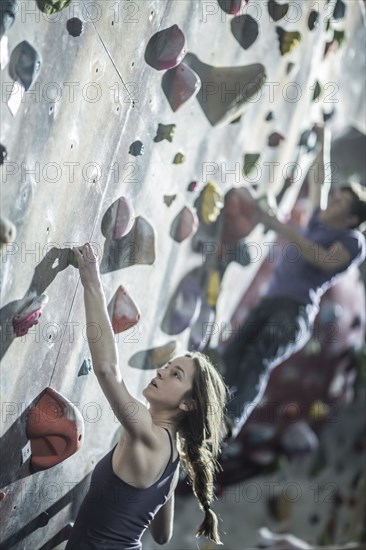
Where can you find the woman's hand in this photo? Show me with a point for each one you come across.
(88, 264)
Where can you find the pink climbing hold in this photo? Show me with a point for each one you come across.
(232, 7)
(180, 84)
(184, 225)
(166, 49)
(27, 318)
(123, 311)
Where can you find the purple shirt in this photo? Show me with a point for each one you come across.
(296, 278)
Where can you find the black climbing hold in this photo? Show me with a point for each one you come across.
(24, 64)
(3, 154)
(313, 20)
(8, 9)
(308, 139)
(169, 199)
(314, 518)
(269, 116)
(136, 148)
(75, 26)
(165, 131)
(245, 30)
(85, 368)
(180, 84)
(328, 116)
(277, 11)
(339, 10)
(43, 519)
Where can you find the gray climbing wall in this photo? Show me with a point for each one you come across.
(67, 140)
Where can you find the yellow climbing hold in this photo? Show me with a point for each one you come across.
(288, 40)
(212, 202)
(213, 288)
(318, 410)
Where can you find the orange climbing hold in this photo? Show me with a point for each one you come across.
(55, 428)
(123, 311)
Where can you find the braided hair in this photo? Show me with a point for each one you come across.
(200, 433)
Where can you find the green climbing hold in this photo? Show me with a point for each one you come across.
(179, 158)
(165, 131)
(52, 6)
(250, 162)
(339, 37)
(317, 91)
(288, 40)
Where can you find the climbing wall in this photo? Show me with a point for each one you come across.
(125, 124)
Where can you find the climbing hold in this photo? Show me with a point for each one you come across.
(314, 519)
(192, 186)
(213, 288)
(318, 410)
(179, 158)
(313, 20)
(280, 507)
(220, 108)
(169, 199)
(184, 306)
(55, 428)
(52, 6)
(275, 139)
(123, 311)
(136, 148)
(43, 519)
(250, 162)
(338, 37)
(239, 215)
(75, 26)
(245, 30)
(72, 259)
(119, 219)
(339, 10)
(8, 9)
(317, 91)
(137, 247)
(25, 319)
(210, 203)
(8, 231)
(184, 224)
(3, 154)
(201, 330)
(86, 367)
(289, 67)
(236, 120)
(288, 40)
(277, 11)
(165, 131)
(269, 116)
(154, 358)
(166, 49)
(24, 64)
(180, 84)
(2, 496)
(232, 7)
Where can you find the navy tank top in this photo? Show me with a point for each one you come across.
(115, 514)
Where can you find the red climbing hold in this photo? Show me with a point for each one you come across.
(166, 49)
(55, 428)
(123, 311)
(29, 316)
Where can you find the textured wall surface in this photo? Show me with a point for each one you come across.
(68, 160)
